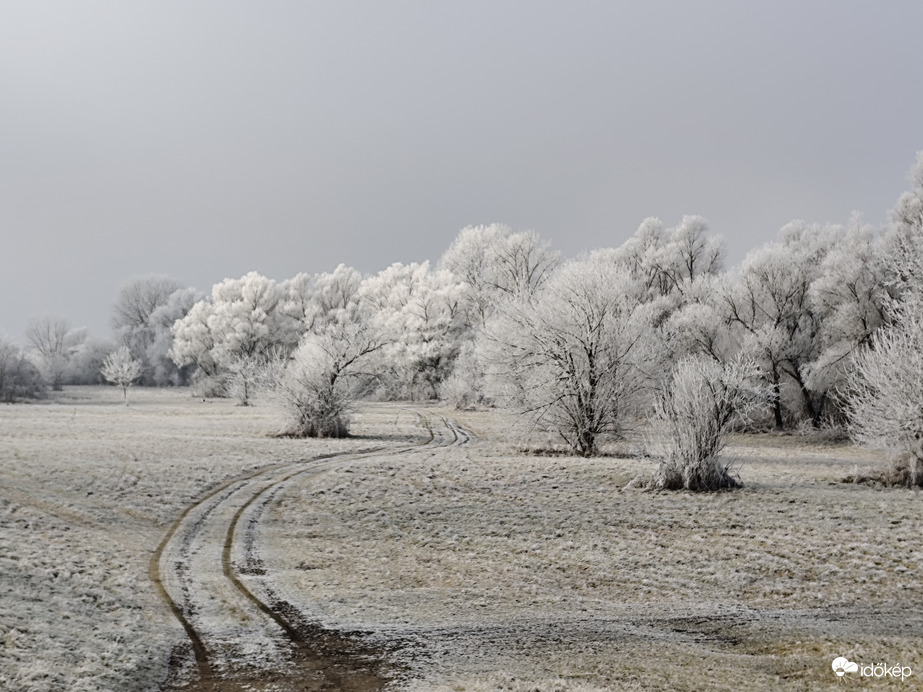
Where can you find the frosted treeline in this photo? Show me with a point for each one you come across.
(807, 331)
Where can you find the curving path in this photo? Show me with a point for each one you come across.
(244, 641)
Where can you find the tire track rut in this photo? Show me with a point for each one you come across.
(241, 641)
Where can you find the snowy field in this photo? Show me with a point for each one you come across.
(465, 565)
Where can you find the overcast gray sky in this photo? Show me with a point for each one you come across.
(206, 139)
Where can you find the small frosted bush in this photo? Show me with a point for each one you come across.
(693, 416)
(884, 396)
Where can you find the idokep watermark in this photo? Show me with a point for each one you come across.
(844, 667)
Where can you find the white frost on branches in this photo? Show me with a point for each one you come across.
(325, 375)
(692, 418)
(884, 392)
(577, 358)
(121, 369)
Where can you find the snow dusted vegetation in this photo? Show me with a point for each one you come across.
(89, 489)
(448, 558)
(507, 470)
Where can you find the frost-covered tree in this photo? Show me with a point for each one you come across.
(680, 272)
(902, 246)
(194, 340)
(850, 296)
(314, 301)
(244, 322)
(699, 327)
(417, 312)
(143, 314)
(884, 392)
(121, 369)
(578, 357)
(495, 264)
(693, 415)
(247, 317)
(768, 305)
(668, 262)
(19, 378)
(53, 342)
(907, 215)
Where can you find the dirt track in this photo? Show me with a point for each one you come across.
(241, 634)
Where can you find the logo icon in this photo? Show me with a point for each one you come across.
(842, 665)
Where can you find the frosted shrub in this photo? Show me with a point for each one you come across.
(314, 406)
(884, 395)
(465, 386)
(317, 386)
(693, 416)
(19, 378)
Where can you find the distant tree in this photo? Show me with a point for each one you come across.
(121, 369)
(19, 378)
(159, 367)
(139, 298)
(52, 342)
(245, 321)
(142, 317)
(86, 360)
(465, 385)
(850, 295)
(576, 359)
(693, 415)
(768, 304)
(496, 263)
(417, 312)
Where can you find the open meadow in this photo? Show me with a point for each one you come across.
(179, 544)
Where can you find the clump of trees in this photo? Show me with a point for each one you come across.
(143, 315)
(824, 317)
(229, 335)
(53, 342)
(19, 378)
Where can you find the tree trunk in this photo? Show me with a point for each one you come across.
(777, 400)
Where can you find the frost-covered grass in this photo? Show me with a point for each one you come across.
(501, 571)
(488, 568)
(88, 487)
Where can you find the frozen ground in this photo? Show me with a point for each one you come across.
(88, 488)
(469, 567)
